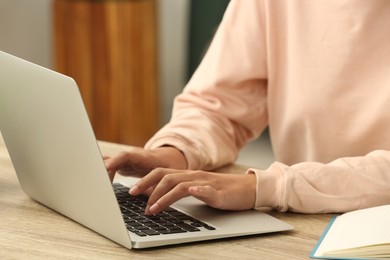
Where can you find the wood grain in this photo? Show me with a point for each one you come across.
(110, 49)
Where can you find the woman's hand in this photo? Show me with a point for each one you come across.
(222, 191)
(139, 162)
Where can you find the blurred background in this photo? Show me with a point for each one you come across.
(130, 58)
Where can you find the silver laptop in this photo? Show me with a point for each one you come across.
(58, 163)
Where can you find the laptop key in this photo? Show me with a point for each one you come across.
(150, 232)
(187, 227)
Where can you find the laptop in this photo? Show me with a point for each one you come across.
(58, 163)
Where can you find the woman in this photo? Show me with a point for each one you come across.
(317, 73)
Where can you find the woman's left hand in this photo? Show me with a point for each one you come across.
(218, 190)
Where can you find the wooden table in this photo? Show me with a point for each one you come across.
(29, 230)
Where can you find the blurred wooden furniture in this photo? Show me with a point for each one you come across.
(110, 49)
(29, 230)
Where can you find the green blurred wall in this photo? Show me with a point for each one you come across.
(205, 16)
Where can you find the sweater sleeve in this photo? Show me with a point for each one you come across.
(224, 105)
(342, 185)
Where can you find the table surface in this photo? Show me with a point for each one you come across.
(29, 230)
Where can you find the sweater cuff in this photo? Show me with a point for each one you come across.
(270, 190)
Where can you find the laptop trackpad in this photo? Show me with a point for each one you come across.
(252, 221)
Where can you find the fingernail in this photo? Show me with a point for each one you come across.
(154, 208)
(147, 210)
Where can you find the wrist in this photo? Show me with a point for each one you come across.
(171, 157)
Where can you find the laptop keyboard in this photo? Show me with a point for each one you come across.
(169, 221)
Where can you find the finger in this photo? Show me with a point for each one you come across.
(165, 194)
(179, 191)
(150, 180)
(125, 163)
(147, 192)
(111, 175)
(208, 195)
(116, 162)
(168, 186)
(109, 167)
(164, 180)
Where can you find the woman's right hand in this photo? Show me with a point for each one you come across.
(138, 162)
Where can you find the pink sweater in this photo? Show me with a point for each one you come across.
(317, 73)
